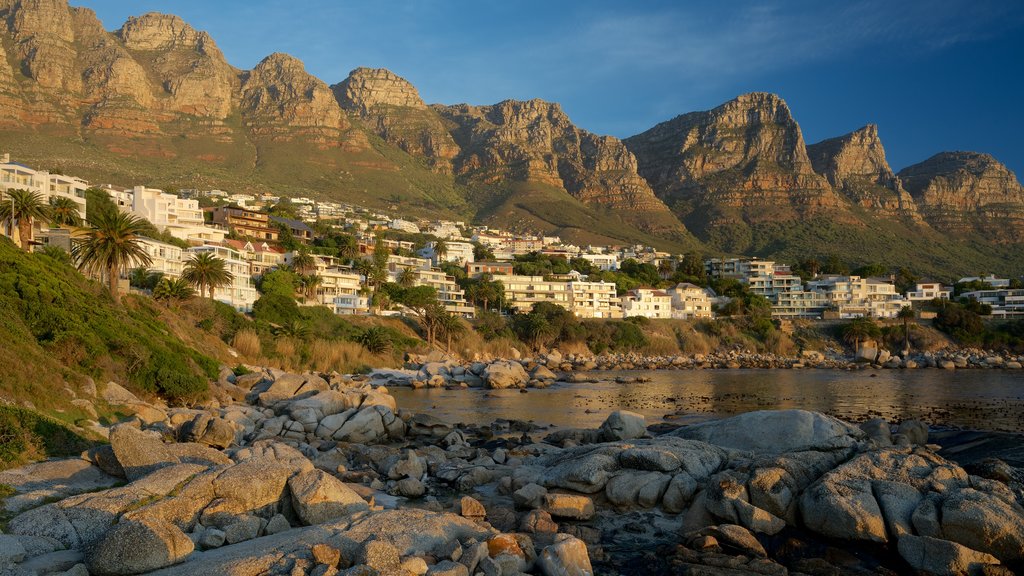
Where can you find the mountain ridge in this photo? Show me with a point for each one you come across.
(156, 102)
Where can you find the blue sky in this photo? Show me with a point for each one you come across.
(933, 74)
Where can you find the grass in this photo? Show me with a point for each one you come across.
(26, 435)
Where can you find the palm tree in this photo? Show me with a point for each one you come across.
(113, 244)
(450, 325)
(173, 290)
(303, 261)
(375, 339)
(860, 329)
(440, 249)
(407, 277)
(24, 207)
(206, 271)
(310, 284)
(906, 314)
(64, 212)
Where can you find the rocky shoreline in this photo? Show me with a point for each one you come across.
(323, 474)
(442, 371)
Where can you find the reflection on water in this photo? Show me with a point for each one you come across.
(974, 399)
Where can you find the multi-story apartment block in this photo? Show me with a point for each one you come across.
(460, 253)
(602, 261)
(647, 303)
(738, 268)
(773, 284)
(594, 299)
(853, 296)
(810, 304)
(299, 229)
(477, 269)
(180, 217)
(991, 280)
(165, 258)
(16, 176)
(522, 292)
(245, 222)
(404, 226)
(689, 301)
(241, 293)
(1004, 302)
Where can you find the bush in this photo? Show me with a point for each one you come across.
(276, 309)
(375, 339)
(27, 435)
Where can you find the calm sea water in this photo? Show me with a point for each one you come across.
(971, 399)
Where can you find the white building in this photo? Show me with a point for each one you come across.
(853, 296)
(991, 280)
(1004, 303)
(689, 301)
(181, 217)
(241, 293)
(602, 261)
(14, 176)
(522, 292)
(446, 230)
(460, 253)
(647, 303)
(404, 226)
(594, 299)
(165, 258)
(925, 291)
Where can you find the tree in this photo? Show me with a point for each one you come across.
(858, 330)
(375, 340)
(407, 277)
(303, 262)
(113, 244)
(440, 249)
(871, 270)
(450, 326)
(482, 252)
(310, 284)
(535, 328)
(172, 290)
(207, 272)
(23, 207)
(906, 314)
(64, 212)
(279, 281)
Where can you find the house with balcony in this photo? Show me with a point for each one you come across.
(654, 304)
(299, 229)
(260, 255)
(927, 291)
(246, 222)
(460, 253)
(522, 292)
(478, 269)
(15, 176)
(594, 299)
(689, 301)
(1005, 303)
(167, 259)
(240, 293)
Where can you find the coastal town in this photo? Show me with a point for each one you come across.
(338, 245)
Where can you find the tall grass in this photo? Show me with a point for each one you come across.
(247, 343)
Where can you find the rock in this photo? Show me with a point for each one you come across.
(942, 557)
(543, 373)
(212, 538)
(448, 568)
(775, 432)
(114, 393)
(984, 522)
(324, 554)
(736, 537)
(136, 546)
(566, 557)
(254, 483)
(471, 508)
(878, 430)
(649, 458)
(629, 488)
(623, 425)
(415, 566)
(569, 506)
(366, 426)
(679, 493)
(11, 550)
(410, 466)
(586, 472)
(915, 430)
(505, 374)
(410, 488)
(139, 453)
(504, 544)
(59, 561)
(208, 430)
(538, 522)
(277, 524)
(319, 497)
(245, 528)
(379, 555)
(529, 496)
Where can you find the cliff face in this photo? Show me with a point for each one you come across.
(745, 160)
(967, 192)
(390, 107)
(534, 141)
(855, 165)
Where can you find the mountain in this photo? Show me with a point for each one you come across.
(740, 164)
(155, 102)
(964, 193)
(855, 165)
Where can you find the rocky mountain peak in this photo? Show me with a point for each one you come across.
(155, 31)
(368, 87)
(280, 92)
(963, 192)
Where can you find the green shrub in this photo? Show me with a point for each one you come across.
(25, 434)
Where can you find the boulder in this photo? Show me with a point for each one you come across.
(623, 425)
(11, 550)
(566, 557)
(139, 453)
(984, 522)
(587, 471)
(915, 431)
(941, 557)
(505, 374)
(775, 432)
(529, 496)
(137, 546)
(114, 393)
(319, 497)
(569, 506)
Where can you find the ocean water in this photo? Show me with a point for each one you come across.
(991, 400)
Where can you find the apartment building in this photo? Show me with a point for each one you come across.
(299, 229)
(738, 268)
(245, 222)
(594, 299)
(241, 293)
(853, 296)
(180, 217)
(602, 261)
(478, 269)
(771, 285)
(460, 253)
(522, 292)
(809, 304)
(654, 304)
(165, 258)
(15, 176)
(1004, 302)
(260, 255)
(689, 301)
